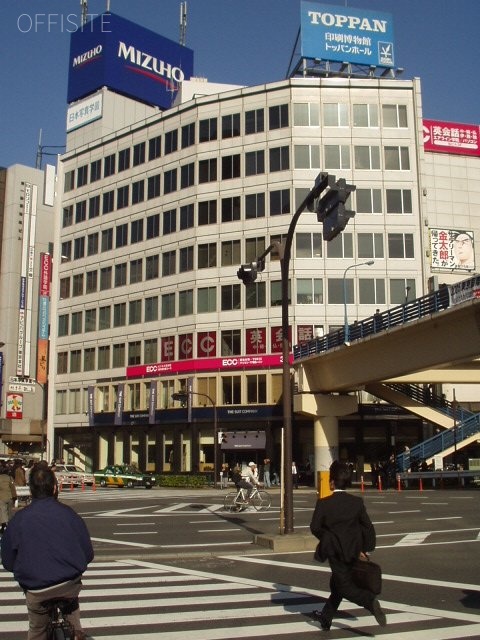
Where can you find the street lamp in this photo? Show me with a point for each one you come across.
(346, 333)
(182, 396)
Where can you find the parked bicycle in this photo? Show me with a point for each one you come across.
(238, 501)
(59, 628)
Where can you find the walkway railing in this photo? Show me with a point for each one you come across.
(423, 395)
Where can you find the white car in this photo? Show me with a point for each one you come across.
(70, 474)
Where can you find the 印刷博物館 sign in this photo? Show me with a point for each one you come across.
(113, 52)
(345, 34)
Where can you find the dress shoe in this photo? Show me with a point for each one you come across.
(379, 614)
(324, 623)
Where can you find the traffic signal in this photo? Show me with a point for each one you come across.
(331, 209)
(248, 272)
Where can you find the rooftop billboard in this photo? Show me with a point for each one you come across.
(451, 137)
(345, 34)
(113, 52)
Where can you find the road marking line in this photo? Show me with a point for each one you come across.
(129, 544)
(447, 518)
(413, 538)
(410, 511)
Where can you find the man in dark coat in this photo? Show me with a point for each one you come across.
(341, 523)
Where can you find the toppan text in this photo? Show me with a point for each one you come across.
(341, 21)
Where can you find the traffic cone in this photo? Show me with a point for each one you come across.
(420, 484)
(399, 484)
(379, 482)
(94, 487)
(71, 485)
(60, 488)
(362, 486)
(83, 485)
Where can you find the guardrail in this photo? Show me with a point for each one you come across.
(439, 475)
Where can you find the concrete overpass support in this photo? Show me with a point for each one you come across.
(325, 409)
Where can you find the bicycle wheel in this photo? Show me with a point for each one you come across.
(229, 503)
(261, 501)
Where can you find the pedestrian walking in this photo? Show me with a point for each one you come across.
(294, 475)
(8, 495)
(266, 473)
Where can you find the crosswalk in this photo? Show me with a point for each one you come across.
(140, 600)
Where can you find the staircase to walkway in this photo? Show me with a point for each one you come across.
(461, 427)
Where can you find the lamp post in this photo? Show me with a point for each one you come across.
(183, 396)
(346, 333)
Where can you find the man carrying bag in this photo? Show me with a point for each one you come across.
(346, 533)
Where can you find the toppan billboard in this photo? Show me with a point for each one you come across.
(345, 34)
(113, 52)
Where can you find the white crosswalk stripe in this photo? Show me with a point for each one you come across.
(147, 600)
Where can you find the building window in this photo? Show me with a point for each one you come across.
(231, 389)
(151, 267)
(207, 170)
(63, 325)
(150, 351)
(231, 125)
(400, 245)
(119, 314)
(308, 245)
(230, 297)
(208, 130)
(118, 355)
(367, 157)
(278, 116)
(121, 235)
(279, 202)
(108, 202)
(138, 154)
(121, 274)
(104, 357)
(254, 206)
(168, 306)
(107, 240)
(401, 290)
(62, 362)
(230, 253)
(61, 402)
(186, 216)
(66, 251)
(337, 156)
(154, 148)
(255, 295)
(185, 259)
(67, 218)
(254, 121)
(399, 201)
(104, 318)
(123, 160)
(254, 162)
(187, 175)
(170, 181)
(257, 389)
(168, 263)
(76, 325)
(151, 309)
(231, 341)
(94, 207)
(69, 181)
(306, 156)
(394, 116)
(75, 361)
(185, 302)
(92, 281)
(309, 291)
(276, 293)
(336, 291)
(254, 247)
(78, 248)
(153, 226)
(207, 212)
(80, 211)
(136, 271)
(397, 159)
(231, 167)
(306, 114)
(188, 135)
(105, 278)
(169, 221)
(82, 176)
(207, 300)
(89, 359)
(231, 209)
(109, 165)
(370, 245)
(335, 114)
(95, 170)
(171, 142)
(365, 115)
(123, 196)
(134, 312)
(368, 200)
(207, 255)
(77, 288)
(138, 191)
(371, 290)
(153, 186)
(341, 246)
(279, 159)
(136, 231)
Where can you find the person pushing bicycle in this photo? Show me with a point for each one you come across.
(247, 480)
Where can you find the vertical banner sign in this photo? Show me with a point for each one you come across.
(14, 406)
(30, 273)
(120, 402)
(1, 378)
(256, 341)
(43, 317)
(91, 405)
(152, 401)
(189, 399)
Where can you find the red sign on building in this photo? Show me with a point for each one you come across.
(185, 346)
(451, 137)
(276, 334)
(168, 349)
(256, 341)
(206, 344)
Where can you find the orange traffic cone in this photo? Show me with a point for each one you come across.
(60, 488)
(71, 485)
(83, 485)
(94, 487)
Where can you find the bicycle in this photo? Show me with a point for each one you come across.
(59, 628)
(237, 501)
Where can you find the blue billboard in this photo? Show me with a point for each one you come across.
(113, 52)
(344, 34)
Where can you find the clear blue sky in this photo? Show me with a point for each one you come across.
(245, 42)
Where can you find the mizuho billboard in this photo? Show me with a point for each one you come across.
(113, 52)
(345, 34)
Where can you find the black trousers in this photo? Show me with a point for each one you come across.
(342, 586)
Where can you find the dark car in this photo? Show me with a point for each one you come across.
(124, 475)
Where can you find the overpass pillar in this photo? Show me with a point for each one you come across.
(325, 441)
